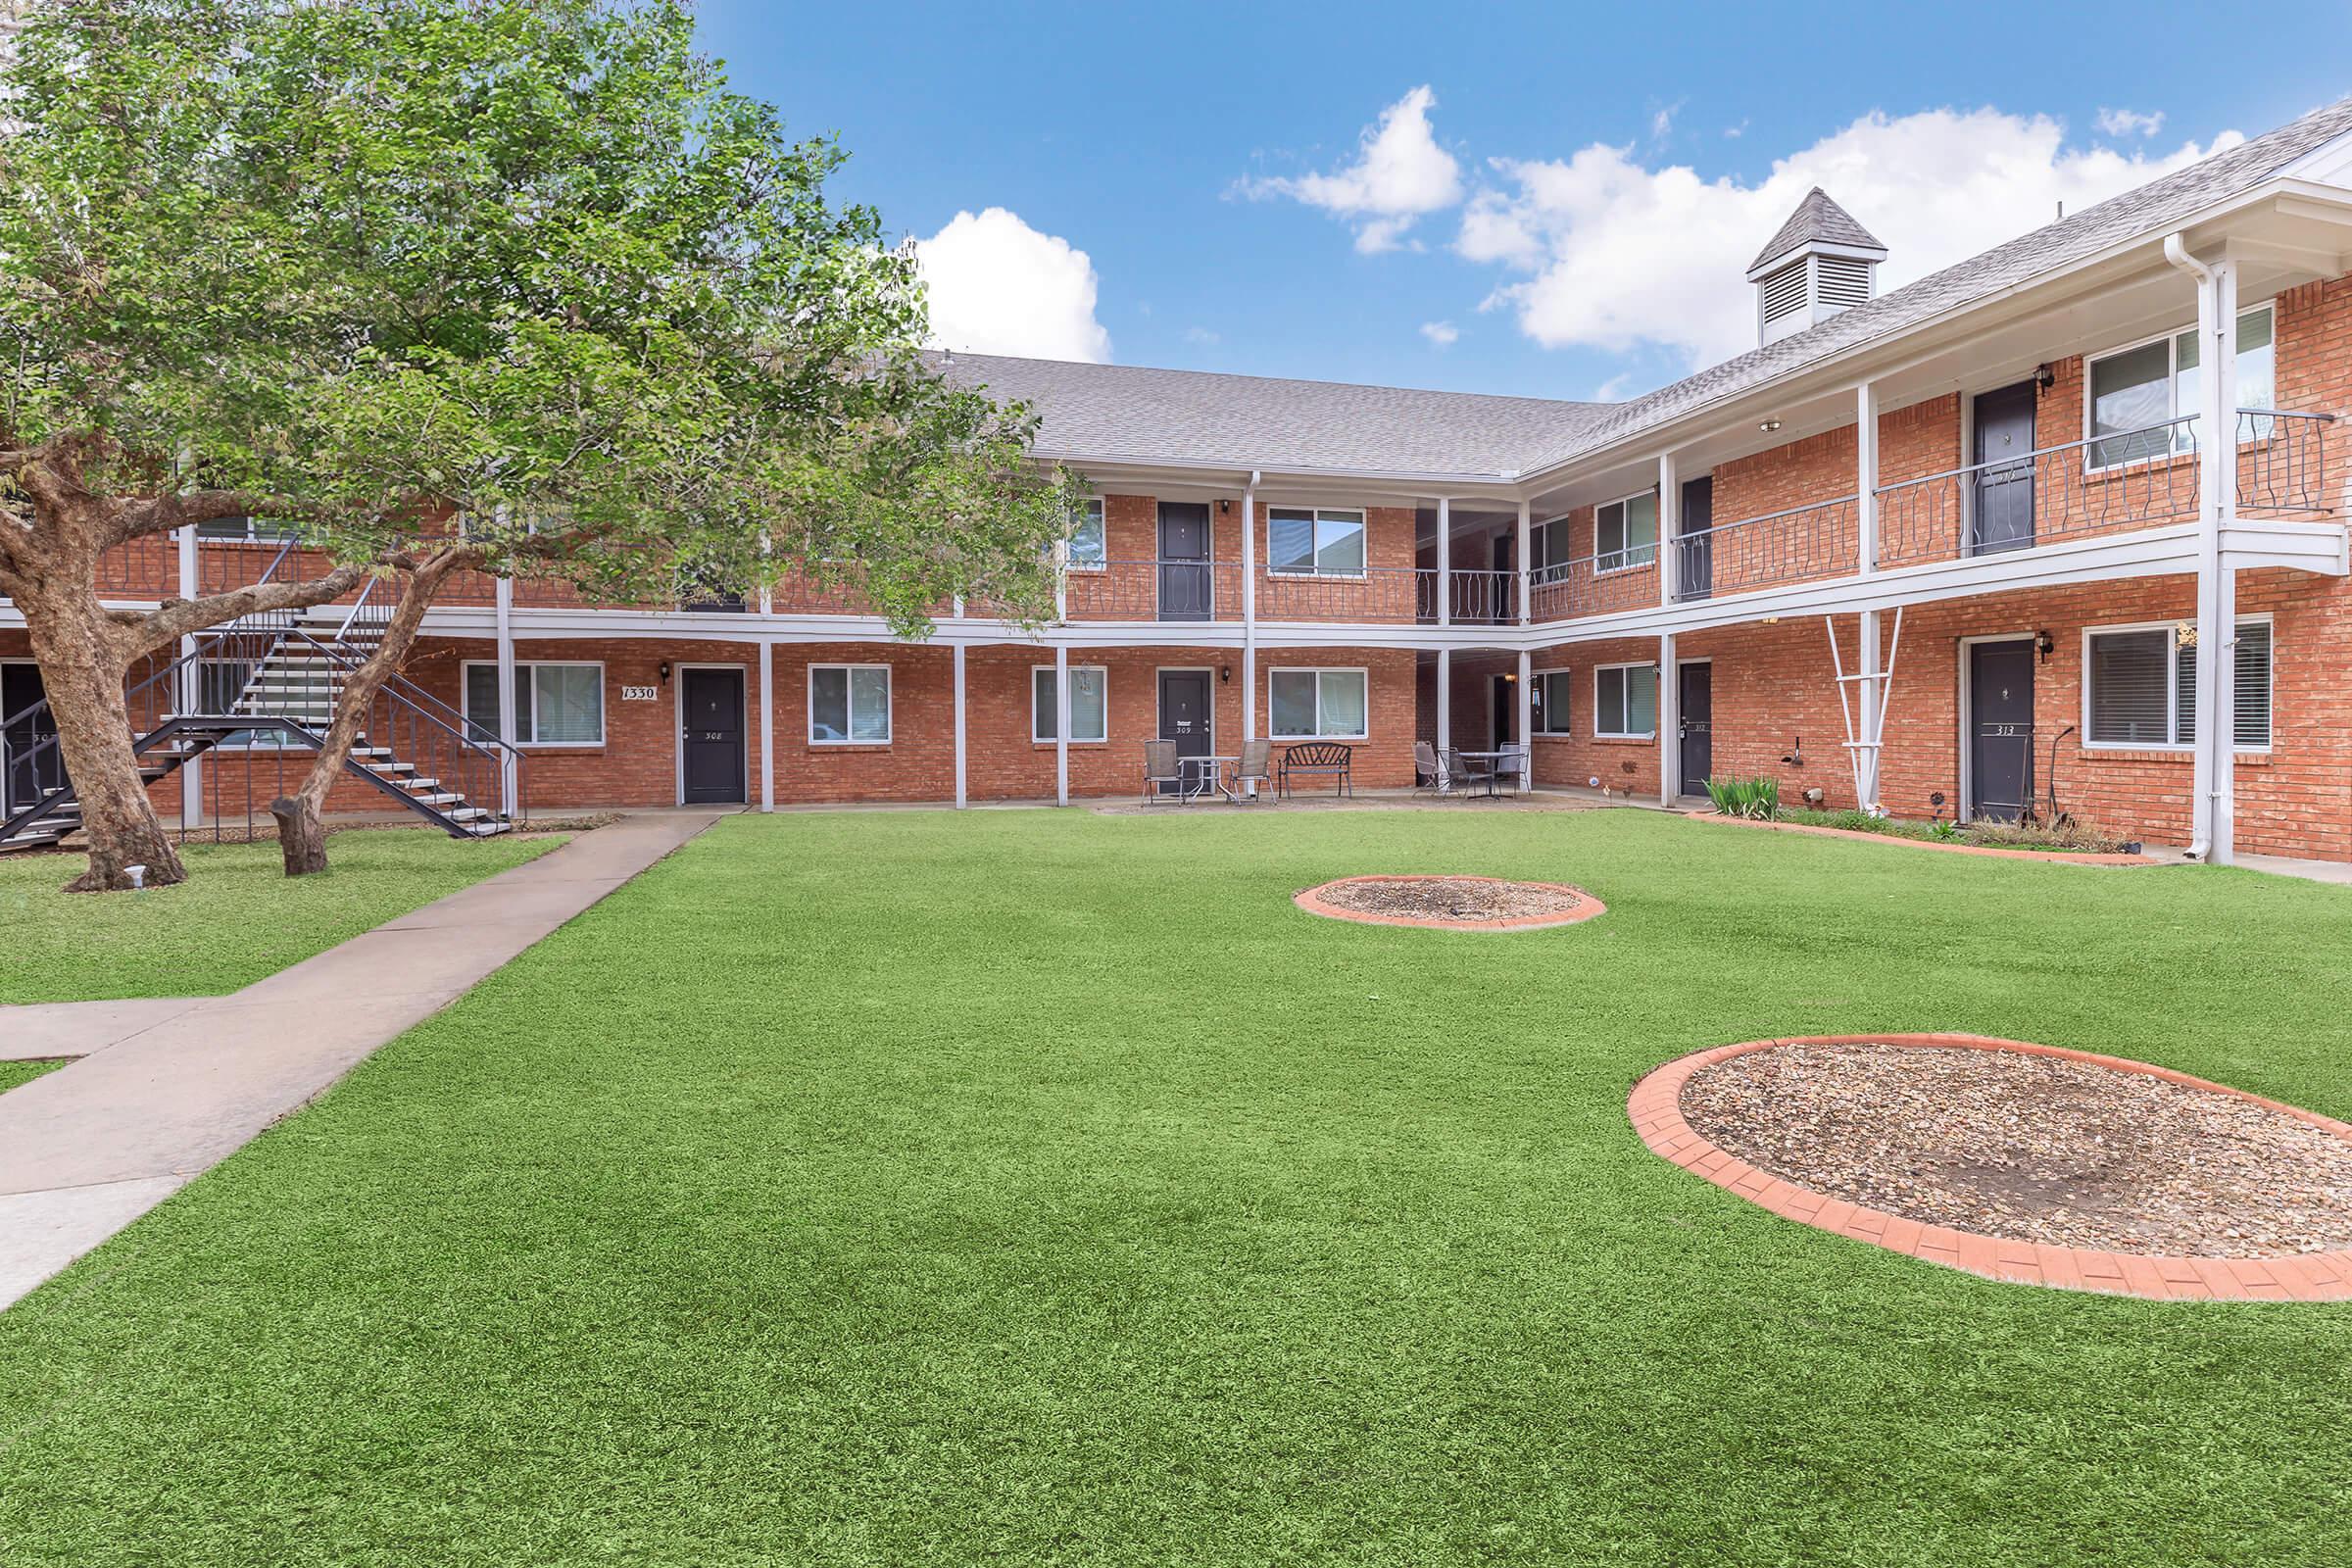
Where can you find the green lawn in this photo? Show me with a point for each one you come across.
(1043, 1188)
(13, 1073)
(234, 920)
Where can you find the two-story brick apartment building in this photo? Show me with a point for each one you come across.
(1965, 539)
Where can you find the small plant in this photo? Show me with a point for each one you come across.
(1943, 830)
(1757, 799)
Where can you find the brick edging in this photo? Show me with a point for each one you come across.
(1655, 1110)
(1586, 906)
(2057, 857)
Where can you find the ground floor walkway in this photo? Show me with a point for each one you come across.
(165, 1090)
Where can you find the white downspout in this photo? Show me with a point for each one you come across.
(1250, 606)
(2218, 448)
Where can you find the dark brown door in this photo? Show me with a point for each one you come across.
(1695, 546)
(2001, 507)
(1696, 696)
(1184, 571)
(712, 704)
(2000, 729)
(1503, 703)
(1185, 714)
(35, 767)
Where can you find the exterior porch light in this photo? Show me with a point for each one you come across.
(1769, 426)
(2045, 644)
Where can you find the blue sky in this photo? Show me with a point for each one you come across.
(1209, 162)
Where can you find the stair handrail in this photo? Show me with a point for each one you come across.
(494, 752)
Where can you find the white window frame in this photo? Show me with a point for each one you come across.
(2171, 689)
(1600, 734)
(1319, 515)
(1035, 737)
(1319, 672)
(2171, 385)
(1628, 556)
(282, 531)
(604, 706)
(890, 707)
(1538, 545)
(1543, 679)
(1097, 514)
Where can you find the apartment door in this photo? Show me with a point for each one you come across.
(711, 744)
(1694, 549)
(28, 776)
(1695, 684)
(1184, 712)
(1503, 704)
(2000, 729)
(2001, 507)
(1184, 581)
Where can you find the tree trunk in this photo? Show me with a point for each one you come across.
(301, 835)
(83, 677)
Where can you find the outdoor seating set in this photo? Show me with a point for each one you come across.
(1172, 777)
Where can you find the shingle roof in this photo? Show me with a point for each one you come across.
(1817, 220)
(1124, 412)
(1116, 411)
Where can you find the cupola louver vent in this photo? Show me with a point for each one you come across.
(1819, 263)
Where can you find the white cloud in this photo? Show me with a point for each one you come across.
(1619, 257)
(1400, 173)
(1203, 336)
(998, 286)
(1661, 122)
(2124, 122)
(1444, 334)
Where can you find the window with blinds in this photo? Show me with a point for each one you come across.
(2141, 687)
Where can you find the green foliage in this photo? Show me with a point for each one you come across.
(1758, 798)
(535, 263)
(2069, 835)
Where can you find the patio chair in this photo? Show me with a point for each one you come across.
(1510, 768)
(1469, 775)
(1256, 766)
(1427, 775)
(1161, 766)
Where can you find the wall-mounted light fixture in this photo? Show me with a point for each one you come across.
(666, 672)
(1224, 674)
(1769, 426)
(1224, 503)
(2045, 644)
(2044, 378)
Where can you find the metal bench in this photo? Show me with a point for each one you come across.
(1318, 760)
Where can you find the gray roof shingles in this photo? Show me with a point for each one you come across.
(1817, 220)
(1115, 412)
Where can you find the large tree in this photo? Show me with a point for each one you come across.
(450, 284)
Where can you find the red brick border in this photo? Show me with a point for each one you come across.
(1586, 906)
(2056, 857)
(1655, 1108)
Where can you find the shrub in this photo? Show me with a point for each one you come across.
(1756, 798)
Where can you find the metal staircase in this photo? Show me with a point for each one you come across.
(273, 683)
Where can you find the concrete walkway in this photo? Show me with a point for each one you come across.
(166, 1090)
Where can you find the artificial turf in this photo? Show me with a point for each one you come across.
(1045, 1188)
(236, 918)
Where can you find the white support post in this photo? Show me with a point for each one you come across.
(191, 773)
(1866, 477)
(1526, 570)
(1866, 761)
(2214, 809)
(1445, 698)
(505, 602)
(1250, 608)
(767, 723)
(1444, 564)
(1526, 715)
(961, 774)
(1669, 724)
(1670, 529)
(1061, 724)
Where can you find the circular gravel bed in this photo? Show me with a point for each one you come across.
(2032, 1148)
(1463, 902)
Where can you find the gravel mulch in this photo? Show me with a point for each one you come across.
(2032, 1148)
(1450, 897)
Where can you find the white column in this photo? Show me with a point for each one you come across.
(1670, 527)
(2214, 809)
(1670, 723)
(1866, 477)
(1527, 710)
(506, 695)
(191, 773)
(1445, 563)
(960, 753)
(1445, 697)
(1527, 568)
(1061, 724)
(767, 723)
(1866, 772)
(1250, 608)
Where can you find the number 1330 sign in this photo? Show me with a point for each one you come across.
(639, 694)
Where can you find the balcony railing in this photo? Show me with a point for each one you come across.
(2112, 483)
(1594, 585)
(1799, 544)
(1153, 589)
(2283, 464)
(1485, 598)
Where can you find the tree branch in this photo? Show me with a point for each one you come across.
(159, 629)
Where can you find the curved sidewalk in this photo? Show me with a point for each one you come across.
(167, 1089)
